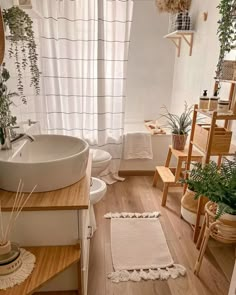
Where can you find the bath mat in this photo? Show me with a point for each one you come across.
(139, 249)
(21, 274)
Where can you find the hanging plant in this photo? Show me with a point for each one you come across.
(6, 118)
(173, 6)
(226, 31)
(22, 47)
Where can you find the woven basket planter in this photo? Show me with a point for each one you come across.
(189, 207)
(180, 22)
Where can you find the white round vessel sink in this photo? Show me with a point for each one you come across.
(51, 161)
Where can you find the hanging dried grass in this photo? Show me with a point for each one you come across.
(173, 6)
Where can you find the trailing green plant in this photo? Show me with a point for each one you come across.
(216, 183)
(6, 118)
(173, 6)
(179, 124)
(22, 47)
(226, 31)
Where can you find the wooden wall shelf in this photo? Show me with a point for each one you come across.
(50, 261)
(177, 36)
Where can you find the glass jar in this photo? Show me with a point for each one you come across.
(213, 104)
(203, 103)
(223, 106)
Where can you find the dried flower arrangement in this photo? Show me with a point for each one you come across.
(173, 6)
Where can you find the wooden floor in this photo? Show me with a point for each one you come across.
(136, 194)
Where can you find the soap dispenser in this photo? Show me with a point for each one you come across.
(213, 102)
(204, 101)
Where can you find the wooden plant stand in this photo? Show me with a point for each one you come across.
(210, 150)
(166, 174)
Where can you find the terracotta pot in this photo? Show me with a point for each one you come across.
(179, 141)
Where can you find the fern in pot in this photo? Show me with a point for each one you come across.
(218, 184)
(180, 125)
(197, 177)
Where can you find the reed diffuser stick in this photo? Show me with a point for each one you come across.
(26, 200)
(19, 209)
(12, 212)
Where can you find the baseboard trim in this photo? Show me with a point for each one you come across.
(136, 173)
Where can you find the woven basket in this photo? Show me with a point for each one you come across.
(229, 70)
(180, 22)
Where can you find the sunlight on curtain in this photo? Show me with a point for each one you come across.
(84, 51)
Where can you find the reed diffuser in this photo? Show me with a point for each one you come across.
(5, 230)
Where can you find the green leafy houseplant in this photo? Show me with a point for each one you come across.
(6, 118)
(180, 125)
(226, 31)
(218, 184)
(22, 46)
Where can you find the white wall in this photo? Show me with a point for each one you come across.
(194, 73)
(150, 65)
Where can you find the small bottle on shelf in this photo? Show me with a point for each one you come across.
(204, 101)
(213, 102)
(223, 106)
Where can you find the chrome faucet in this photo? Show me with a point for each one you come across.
(21, 136)
(9, 136)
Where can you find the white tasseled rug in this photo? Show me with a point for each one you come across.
(139, 248)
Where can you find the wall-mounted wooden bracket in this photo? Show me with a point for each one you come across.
(176, 38)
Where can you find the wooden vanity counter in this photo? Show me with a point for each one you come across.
(73, 197)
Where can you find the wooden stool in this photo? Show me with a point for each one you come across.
(221, 230)
(165, 173)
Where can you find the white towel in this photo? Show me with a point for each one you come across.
(137, 145)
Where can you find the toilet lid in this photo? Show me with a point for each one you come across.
(99, 155)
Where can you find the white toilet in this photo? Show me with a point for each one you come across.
(100, 161)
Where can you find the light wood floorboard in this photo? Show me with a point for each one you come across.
(136, 194)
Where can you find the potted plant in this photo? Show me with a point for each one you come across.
(6, 118)
(173, 6)
(179, 126)
(226, 32)
(22, 46)
(218, 184)
(198, 176)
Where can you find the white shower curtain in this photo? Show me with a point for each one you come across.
(84, 51)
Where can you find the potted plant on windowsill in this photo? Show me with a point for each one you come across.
(218, 185)
(179, 126)
(6, 118)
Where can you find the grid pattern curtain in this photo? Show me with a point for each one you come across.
(84, 51)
